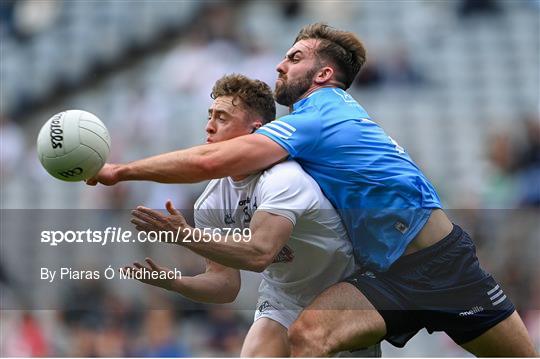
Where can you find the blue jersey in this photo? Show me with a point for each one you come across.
(383, 198)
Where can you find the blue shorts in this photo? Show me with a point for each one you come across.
(440, 288)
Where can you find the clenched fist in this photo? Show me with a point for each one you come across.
(108, 175)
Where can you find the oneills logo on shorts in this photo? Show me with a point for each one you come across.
(369, 274)
(472, 311)
(400, 226)
(264, 305)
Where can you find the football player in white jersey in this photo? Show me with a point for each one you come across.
(285, 228)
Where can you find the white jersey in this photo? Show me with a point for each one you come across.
(318, 253)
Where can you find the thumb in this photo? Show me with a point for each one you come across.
(170, 207)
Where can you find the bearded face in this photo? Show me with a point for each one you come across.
(290, 90)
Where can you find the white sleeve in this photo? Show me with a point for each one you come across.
(288, 191)
(204, 218)
(205, 208)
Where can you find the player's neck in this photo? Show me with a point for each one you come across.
(239, 178)
(244, 178)
(314, 88)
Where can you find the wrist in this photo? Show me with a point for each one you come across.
(122, 172)
(176, 285)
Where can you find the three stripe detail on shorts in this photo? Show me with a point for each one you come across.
(495, 295)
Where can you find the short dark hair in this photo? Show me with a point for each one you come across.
(256, 95)
(342, 48)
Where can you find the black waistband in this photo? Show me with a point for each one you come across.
(419, 257)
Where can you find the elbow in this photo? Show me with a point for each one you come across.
(260, 257)
(222, 296)
(260, 262)
(231, 293)
(229, 298)
(223, 299)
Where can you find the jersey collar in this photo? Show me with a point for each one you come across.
(302, 101)
(244, 182)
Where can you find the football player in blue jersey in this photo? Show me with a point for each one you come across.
(418, 269)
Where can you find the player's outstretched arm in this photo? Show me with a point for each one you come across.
(238, 156)
(254, 251)
(268, 234)
(218, 284)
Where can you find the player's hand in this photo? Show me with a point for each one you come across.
(149, 220)
(108, 175)
(136, 271)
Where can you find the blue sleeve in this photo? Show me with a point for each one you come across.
(297, 133)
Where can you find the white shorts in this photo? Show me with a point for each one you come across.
(284, 314)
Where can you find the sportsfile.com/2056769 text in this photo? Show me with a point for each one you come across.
(118, 235)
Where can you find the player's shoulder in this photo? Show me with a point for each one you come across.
(284, 168)
(288, 173)
(288, 186)
(208, 195)
(333, 100)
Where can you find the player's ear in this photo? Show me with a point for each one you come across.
(324, 75)
(256, 125)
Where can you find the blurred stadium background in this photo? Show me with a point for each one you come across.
(454, 82)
